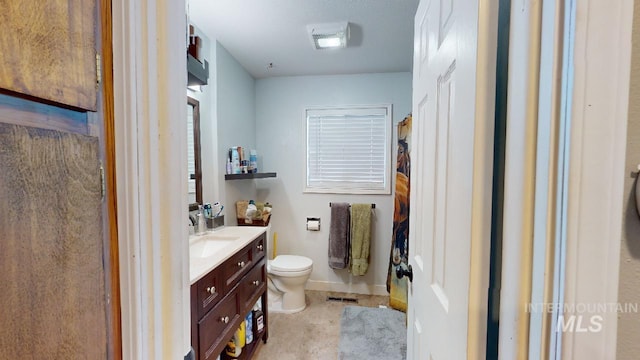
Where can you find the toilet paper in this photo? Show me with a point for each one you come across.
(313, 225)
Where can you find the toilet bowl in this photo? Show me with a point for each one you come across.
(287, 276)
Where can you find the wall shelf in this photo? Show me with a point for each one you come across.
(198, 73)
(249, 176)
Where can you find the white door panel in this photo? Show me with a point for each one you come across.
(445, 96)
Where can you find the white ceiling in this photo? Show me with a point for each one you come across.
(260, 32)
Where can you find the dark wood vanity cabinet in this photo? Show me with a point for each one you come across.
(221, 299)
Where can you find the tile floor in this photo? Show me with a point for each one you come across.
(314, 333)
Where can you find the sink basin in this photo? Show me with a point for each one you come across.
(209, 246)
(208, 250)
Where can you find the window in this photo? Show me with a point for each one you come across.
(348, 149)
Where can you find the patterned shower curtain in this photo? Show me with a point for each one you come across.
(397, 288)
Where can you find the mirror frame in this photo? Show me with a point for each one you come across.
(196, 151)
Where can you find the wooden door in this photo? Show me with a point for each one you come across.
(451, 160)
(58, 253)
(48, 50)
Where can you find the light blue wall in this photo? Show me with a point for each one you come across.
(236, 104)
(280, 104)
(208, 129)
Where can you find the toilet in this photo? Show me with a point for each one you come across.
(287, 276)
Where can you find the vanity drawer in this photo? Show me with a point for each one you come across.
(237, 266)
(259, 247)
(210, 291)
(253, 285)
(218, 326)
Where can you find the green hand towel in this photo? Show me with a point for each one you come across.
(360, 238)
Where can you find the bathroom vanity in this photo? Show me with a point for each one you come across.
(228, 276)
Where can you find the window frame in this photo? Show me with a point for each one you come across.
(349, 109)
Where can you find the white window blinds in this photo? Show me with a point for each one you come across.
(191, 158)
(348, 150)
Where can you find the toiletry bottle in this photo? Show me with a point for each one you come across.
(207, 210)
(233, 348)
(248, 320)
(251, 212)
(229, 167)
(235, 160)
(258, 321)
(241, 335)
(253, 161)
(200, 223)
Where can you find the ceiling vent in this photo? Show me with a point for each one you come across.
(329, 36)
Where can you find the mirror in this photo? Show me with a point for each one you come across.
(193, 145)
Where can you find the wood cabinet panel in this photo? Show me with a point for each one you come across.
(52, 278)
(48, 50)
(253, 285)
(218, 326)
(210, 291)
(259, 248)
(238, 265)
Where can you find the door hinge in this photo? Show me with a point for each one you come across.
(103, 188)
(98, 69)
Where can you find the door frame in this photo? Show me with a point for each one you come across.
(151, 158)
(552, 83)
(573, 252)
(519, 178)
(583, 148)
(106, 99)
(594, 181)
(480, 256)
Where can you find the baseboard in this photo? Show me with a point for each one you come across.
(347, 288)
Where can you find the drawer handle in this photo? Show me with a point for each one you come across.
(241, 264)
(224, 319)
(260, 247)
(211, 290)
(256, 282)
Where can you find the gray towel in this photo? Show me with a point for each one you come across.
(339, 236)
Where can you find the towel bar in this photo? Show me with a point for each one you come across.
(373, 206)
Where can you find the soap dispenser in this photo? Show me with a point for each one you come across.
(200, 221)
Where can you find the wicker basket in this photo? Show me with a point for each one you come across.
(241, 209)
(255, 222)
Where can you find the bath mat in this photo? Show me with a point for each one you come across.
(372, 333)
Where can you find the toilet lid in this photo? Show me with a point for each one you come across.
(291, 263)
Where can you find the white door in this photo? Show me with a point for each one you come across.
(451, 151)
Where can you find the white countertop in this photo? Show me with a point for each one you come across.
(211, 249)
